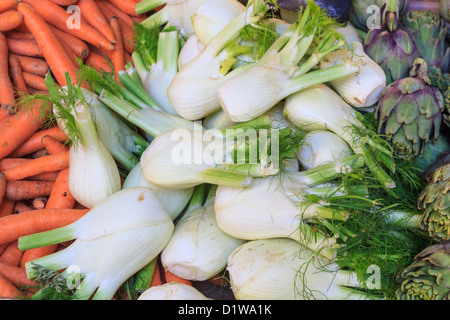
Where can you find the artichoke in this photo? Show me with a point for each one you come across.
(441, 81)
(391, 45)
(444, 11)
(434, 201)
(429, 32)
(409, 113)
(428, 276)
(360, 12)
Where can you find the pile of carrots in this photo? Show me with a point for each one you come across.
(38, 37)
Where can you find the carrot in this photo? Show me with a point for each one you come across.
(51, 47)
(44, 176)
(18, 277)
(8, 4)
(121, 15)
(28, 189)
(34, 81)
(39, 202)
(98, 62)
(7, 207)
(48, 163)
(7, 98)
(127, 6)
(117, 55)
(19, 35)
(126, 26)
(9, 20)
(78, 46)
(15, 226)
(57, 16)
(8, 290)
(32, 65)
(65, 2)
(12, 255)
(35, 253)
(2, 187)
(60, 197)
(170, 277)
(96, 18)
(7, 163)
(25, 47)
(34, 143)
(22, 125)
(15, 70)
(21, 206)
(53, 145)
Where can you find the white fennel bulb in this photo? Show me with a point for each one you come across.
(191, 48)
(173, 200)
(283, 269)
(361, 89)
(321, 147)
(198, 248)
(112, 241)
(172, 291)
(350, 33)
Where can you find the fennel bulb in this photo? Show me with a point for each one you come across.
(175, 13)
(321, 147)
(171, 163)
(361, 89)
(157, 69)
(271, 209)
(285, 68)
(191, 48)
(113, 240)
(283, 269)
(173, 200)
(198, 249)
(350, 33)
(172, 291)
(321, 108)
(193, 91)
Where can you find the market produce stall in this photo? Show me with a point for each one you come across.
(224, 150)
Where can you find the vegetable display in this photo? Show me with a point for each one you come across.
(224, 150)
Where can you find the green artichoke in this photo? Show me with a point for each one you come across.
(391, 45)
(444, 11)
(429, 32)
(434, 201)
(428, 277)
(441, 81)
(361, 13)
(409, 112)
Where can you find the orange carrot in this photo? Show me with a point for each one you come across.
(39, 202)
(170, 277)
(25, 47)
(98, 62)
(15, 70)
(7, 207)
(57, 16)
(51, 47)
(53, 145)
(35, 253)
(34, 143)
(117, 55)
(121, 15)
(48, 163)
(18, 277)
(2, 187)
(60, 197)
(32, 65)
(8, 290)
(7, 98)
(21, 206)
(126, 28)
(20, 126)
(12, 255)
(28, 189)
(96, 18)
(19, 35)
(65, 2)
(78, 46)
(8, 4)
(127, 6)
(44, 176)
(34, 81)
(7, 163)
(9, 20)
(14, 226)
